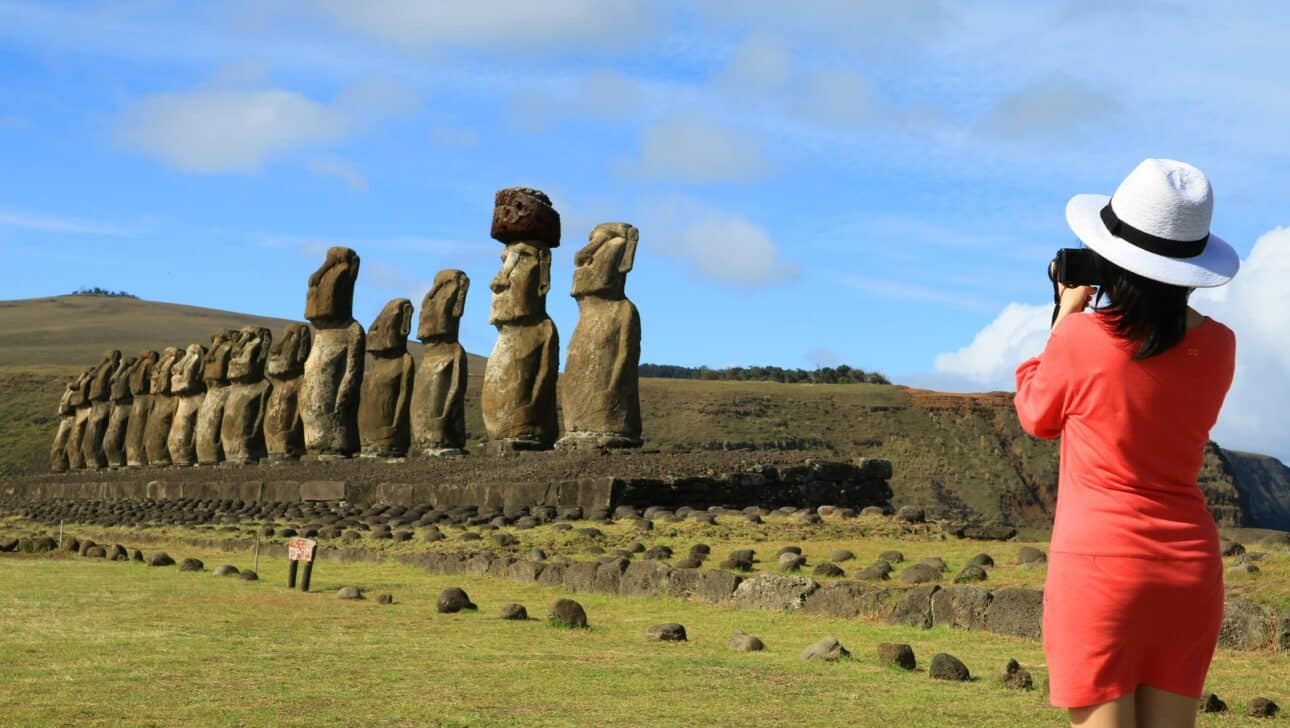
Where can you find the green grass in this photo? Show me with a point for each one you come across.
(90, 642)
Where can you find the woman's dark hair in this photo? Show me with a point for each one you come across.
(1143, 310)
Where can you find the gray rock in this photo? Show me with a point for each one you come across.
(948, 667)
(900, 655)
(961, 607)
(826, 650)
(453, 600)
(191, 564)
(1030, 555)
(970, 574)
(1016, 677)
(1262, 708)
(773, 592)
(248, 575)
(96, 552)
(849, 599)
(645, 578)
(1243, 570)
(791, 562)
(935, 562)
(841, 555)
(160, 558)
(914, 608)
(826, 569)
(911, 514)
(349, 592)
(982, 560)
(1016, 611)
(670, 632)
(226, 570)
(1231, 548)
(1246, 625)
(1211, 703)
(567, 613)
(514, 612)
(879, 571)
(744, 642)
(920, 573)
(892, 557)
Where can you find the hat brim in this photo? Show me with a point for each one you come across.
(1214, 267)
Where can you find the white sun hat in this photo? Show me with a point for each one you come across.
(1157, 225)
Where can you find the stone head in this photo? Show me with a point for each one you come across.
(603, 264)
(331, 288)
(215, 366)
(523, 214)
(186, 374)
(100, 387)
(161, 371)
(287, 356)
(141, 374)
(81, 393)
(520, 287)
(443, 306)
(388, 334)
(250, 351)
(120, 387)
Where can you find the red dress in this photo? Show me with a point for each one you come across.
(1134, 591)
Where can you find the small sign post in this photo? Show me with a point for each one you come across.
(301, 549)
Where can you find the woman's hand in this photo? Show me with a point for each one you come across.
(1073, 300)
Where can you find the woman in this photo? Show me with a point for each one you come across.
(1134, 595)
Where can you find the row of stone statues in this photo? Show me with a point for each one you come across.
(247, 398)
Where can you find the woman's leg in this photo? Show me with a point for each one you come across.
(1118, 713)
(1162, 709)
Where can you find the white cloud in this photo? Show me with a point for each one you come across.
(691, 148)
(345, 172)
(761, 63)
(906, 291)
(718, 245)
(216, 129)
(1253, 305)
(504, 25)
(1053, 105)
(58, 224)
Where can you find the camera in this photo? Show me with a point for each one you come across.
(1078, 267)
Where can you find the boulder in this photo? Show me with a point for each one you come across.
(670, 632)
(791, 562)
(96, 552)
(349, 592)
(841, 555)
(920, 573)
(226, 570)
(1015, 611)
(970, 574)
(899, 655)
(948, 667)
(960, 606)
(514, 612)
(826, 650)
(385, 599)
(988, 533)
(1031, 555)
(983, 560)
(191, 564)
(1211, 703)
(892, 557)
(1262, 708)
(1246, 625)
(248, 575)
(911, 514)
(645, 579)
(849, 599)
(567, 613)
(826, 569)
(160, 558)
(744, 642)
(914, 607)
(1016, 677)
(774, 592)
(453, 600)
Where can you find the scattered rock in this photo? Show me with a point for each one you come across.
(248, 575)
(1231, 548)
(914, 607)
(385, 598)
(900, 655)
(827, 650)
(191, 564)
(987, 533)
(920, 573)
(911, 514)
(567, 613)
(453, 600)
(515, 612)
(948, 667)
(96, 552)
(1262, 708)
(878, 571)
(827, 569)
(790, 550)
(892, 557)
(349, 592)
(744, 642)
(1211, 703)
(1031, 555)
(773, 592)
(841, 555)
(981, 560)
(1015, 611)
(1016, 677)
(670, 632)
(791, 562)
(969, 574)
(1246, 625)
(873, 511)
(160, 558)
(226, 570)
(936, 562)
(1243, 570)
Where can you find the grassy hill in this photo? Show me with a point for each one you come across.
(962, 456)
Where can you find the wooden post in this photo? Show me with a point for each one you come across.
(301, 549)
(291, 575)
(309, 570)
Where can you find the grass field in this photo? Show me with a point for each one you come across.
(90, 642)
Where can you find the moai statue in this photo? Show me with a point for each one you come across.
(66, 423)
(136, 454)
(161, 415)
(243, 429)
(80, 403)
(100, 410)
(119, 421)
(284, 434)
(518, 398)
(439, 396)
(188, 389)
(600, 389)
(384, 429)
(334, 370)
(211, 415)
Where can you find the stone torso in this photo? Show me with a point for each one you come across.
(383, 415)
(600, 390)
(283, 434)
(329, 398)
(439, 399)
(519, 383)
(242, 429)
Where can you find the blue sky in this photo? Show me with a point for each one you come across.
(876, 183)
